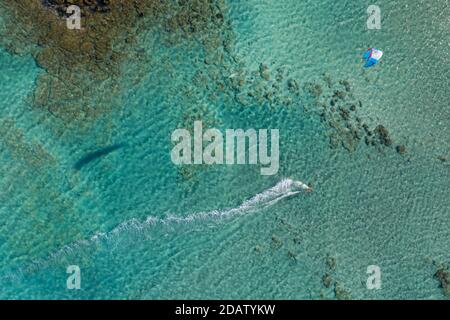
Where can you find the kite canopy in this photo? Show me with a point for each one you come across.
(372, 56)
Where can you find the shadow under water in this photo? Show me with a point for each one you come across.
(97, 154)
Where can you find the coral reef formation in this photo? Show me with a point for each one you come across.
(14, 140)
(339, 112)
(77, 62)
(60, 6)
(80, 63)
(231, 84)
(331, 284)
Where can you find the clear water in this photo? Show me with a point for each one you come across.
(139, 231)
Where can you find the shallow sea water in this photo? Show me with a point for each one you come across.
(137, 231)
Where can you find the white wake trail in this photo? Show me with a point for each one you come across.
(284, 188)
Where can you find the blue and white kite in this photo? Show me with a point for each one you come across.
(372, 56)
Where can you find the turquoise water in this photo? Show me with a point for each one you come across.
(137, 229)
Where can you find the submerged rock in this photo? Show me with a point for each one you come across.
(345, 114)
(331, 262)
(339, 94)
(346, 85)
(81, 63)
(334, 141)
(349, 143)
(383, 135)
(327, 280)
(60, 6)
(264, 71)
(443, 276)
(276, 242)
(292, 255)
(401, 149)
(315, 89)
(293, 85)
(341, 293)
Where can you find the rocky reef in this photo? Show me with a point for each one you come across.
(79, 64)
(444, 160)
(442, 275)
(13, 139)
(232, 84)
(331, 285)
(82, 65)
(60, 6)
(340, 112)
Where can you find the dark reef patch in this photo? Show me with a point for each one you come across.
(338, 110)
(331, 286)
(80, 64)
(13, 139)
(237, 88)
(442, 275)
(60, 6)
